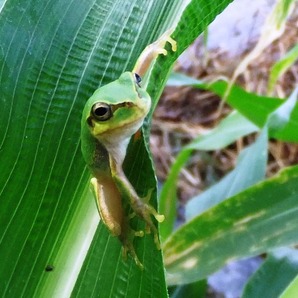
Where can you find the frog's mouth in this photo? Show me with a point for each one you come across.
(125, 130)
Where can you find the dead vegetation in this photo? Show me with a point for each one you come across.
(184, 113)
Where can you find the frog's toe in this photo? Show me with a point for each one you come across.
(162, 51)
(156, 241)
(139, 233)
(158, 217)
(149, 228)
(128, 248)
(149, 209)
(131, 215)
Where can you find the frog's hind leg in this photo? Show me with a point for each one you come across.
(109, 205)
(142, 209)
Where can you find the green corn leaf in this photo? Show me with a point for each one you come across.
(250, 169)
(53, 56)
(228, 131)
(256, 220)
(281, 66)
(254, 107)
(251, 164)
(291, 290)
(278, 271)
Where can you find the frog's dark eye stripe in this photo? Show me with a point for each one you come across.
(101, 111)
(138, 79)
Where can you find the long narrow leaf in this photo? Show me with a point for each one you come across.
(251, 164)
(228, 131)
(258, 219)
(278, 271)
(291, 290)
(281, 66)
(255, 107)
(250, 169)
(53, 56)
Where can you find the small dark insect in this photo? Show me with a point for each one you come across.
(49, 268)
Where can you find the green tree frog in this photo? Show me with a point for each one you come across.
(111, 116)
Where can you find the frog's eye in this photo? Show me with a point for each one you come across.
(138, 79)
(102, 111)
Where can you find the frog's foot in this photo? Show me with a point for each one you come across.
(166, 37)
(152, 51)
(127, 246)
(145, 211)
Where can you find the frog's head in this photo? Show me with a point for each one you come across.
(117, 110)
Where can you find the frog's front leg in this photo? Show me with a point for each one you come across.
(109, 205)
(140, 207)
(151, 52)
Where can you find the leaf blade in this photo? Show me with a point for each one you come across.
(227, 132)
(254, 219)
(278, 270)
